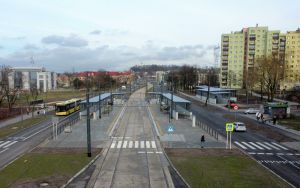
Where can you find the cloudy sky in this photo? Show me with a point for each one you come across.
(76, 35)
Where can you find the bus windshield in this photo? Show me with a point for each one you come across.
(60, 108)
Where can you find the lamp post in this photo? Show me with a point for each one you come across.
(99, 102)
(171, 105)
(88, 123)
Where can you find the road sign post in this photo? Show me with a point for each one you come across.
(229, 129)
(235, 108)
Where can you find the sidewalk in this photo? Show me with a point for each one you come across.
(275, 99)
(21, 117)
(78, 135)
(291, 131)
(184, 136)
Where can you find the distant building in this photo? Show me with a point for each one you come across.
(26, 78)
(160, 76)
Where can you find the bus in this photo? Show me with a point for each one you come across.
(67, 107)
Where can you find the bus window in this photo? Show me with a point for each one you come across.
(60, 108)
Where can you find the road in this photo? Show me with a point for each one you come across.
(261, 142)
(134, 157)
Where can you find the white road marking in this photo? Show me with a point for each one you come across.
(261, 144)
(251, 147)
(3, 150)
(10, 144)
(271, 146)
(36, 133)
(119, 144)
(125, 144)
(3, 144)
(158, 152)
(297, 154)
(147, 144)
(269, 154)
(136, 144)
(113, 144)
(141, 152)
(130, 144)
(252, 153)
(239, 144)
(279, 154)
(256, 145)
(142, 144)
(260, 153)
(153, 144)
(289, 154)
(150, 152)
(280, 146)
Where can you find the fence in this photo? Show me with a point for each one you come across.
(208, 129)
(62, 124)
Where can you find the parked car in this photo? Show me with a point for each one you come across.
(231, 104)
(251, 111)
(239, 126)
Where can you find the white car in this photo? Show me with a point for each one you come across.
(251, 111)
(239, 126)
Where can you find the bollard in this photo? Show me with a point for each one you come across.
(194, 121)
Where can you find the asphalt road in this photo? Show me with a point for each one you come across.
(261, 142)
(134, 157)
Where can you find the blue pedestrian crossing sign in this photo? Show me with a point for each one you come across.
(170, 128)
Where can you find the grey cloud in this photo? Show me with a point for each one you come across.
(30, 47)
(70, 41)
(95, 32)
(63, 58)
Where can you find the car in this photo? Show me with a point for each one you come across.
(251, 111)
(239, 126)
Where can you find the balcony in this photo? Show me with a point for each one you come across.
(252, 37)
(225, 48)
(251, 52)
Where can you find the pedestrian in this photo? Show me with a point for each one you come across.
(202, 140)
(257, 116)
(274, 120)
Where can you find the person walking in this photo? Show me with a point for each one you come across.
(202, 141)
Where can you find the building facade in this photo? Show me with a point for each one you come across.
(240, 50)
(292, 60)
(26, 78)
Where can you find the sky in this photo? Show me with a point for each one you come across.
(81, 35)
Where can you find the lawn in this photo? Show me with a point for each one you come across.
(13, 128)
(215, 168)
(54, 168)
(293, 123)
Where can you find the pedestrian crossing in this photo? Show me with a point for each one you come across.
(6, 144)
(260, 146)
(126, 144)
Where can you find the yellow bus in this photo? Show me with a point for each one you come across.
(67, 107)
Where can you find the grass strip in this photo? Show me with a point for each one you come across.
(224, 171)
(43, 167)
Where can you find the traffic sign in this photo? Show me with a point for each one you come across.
(235, 107)
(229, 127)
(170, 128)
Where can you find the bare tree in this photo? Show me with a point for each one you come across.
(270, 73)
(31, 95)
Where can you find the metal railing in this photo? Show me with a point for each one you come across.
(63, 123)
(212, 132)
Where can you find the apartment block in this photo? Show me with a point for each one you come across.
(292, 60)
(240, 50)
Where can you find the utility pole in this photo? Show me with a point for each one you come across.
(99, 102)
(88, 122)
(171, 105)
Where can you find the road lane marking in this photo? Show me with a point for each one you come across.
(153, 144)
(130, 144)
(147, 144)
(119, 144)
(280, 146)
(251, 147)
(113, 144)
(252, 153)
(150, 152)
(271, 146)
(279, 154)
(125, 144)
(10, 144)
(141, 152)
(3, 144)
(256, 145)
(159, 152)
(261, 144)
(269, 154)
(3, 150)
(142, 144)
(260, 153)
(136, 144)
(41, 130)
(237, 143)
